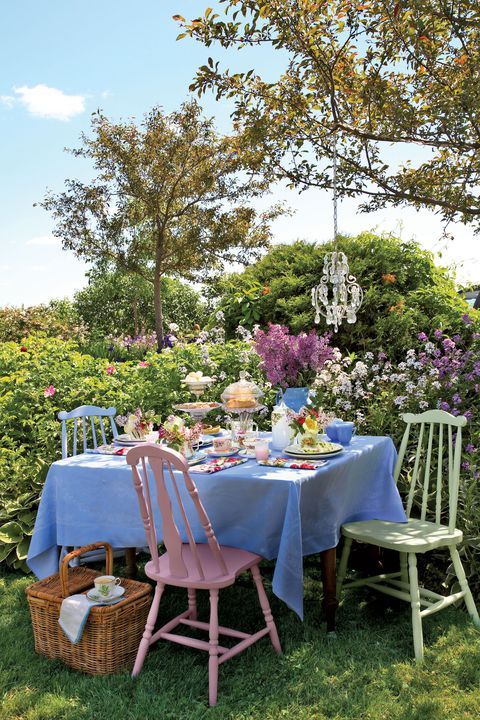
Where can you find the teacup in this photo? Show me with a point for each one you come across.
(331, 430)
(222, 444)
(250, 440)
(106, 584)
(345, 432)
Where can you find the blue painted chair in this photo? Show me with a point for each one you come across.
(88, 423)
(84, 420)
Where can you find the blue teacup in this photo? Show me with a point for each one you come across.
(345, 432)
(331, 430)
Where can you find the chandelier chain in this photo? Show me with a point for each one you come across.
(335, 197)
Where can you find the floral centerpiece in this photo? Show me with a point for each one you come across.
(137, 425)
(309, 423)
(176, 434)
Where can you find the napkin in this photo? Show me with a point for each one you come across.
(295, 464)
(74, 612)
(217, 465)
(108, 450)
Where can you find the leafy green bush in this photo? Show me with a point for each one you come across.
(404, 292)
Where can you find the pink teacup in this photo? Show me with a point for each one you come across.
(222, 444)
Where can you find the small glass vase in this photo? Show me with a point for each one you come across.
(307, 439)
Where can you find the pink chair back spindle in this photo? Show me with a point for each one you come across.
(163, 462)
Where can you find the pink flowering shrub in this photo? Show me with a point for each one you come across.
(291, 360)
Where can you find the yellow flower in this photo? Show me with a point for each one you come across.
(311, 425)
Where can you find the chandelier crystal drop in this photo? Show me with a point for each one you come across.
(338, 295)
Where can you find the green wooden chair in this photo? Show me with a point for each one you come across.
(437, 458)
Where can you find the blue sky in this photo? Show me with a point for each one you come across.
(59, 62)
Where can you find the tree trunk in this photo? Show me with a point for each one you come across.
(157, 303)
(136, 327)
(157, 288)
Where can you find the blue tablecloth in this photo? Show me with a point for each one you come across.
(276, 512)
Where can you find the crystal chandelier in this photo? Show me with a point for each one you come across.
(338, 295)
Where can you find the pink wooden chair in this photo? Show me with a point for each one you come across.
(195, 566)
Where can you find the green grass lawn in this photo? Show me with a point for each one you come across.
(367, 672)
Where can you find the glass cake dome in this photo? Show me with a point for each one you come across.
(242, 394)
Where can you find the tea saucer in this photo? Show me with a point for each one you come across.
(221, 453)
(118, 591)
(197, 458)
(247, 453)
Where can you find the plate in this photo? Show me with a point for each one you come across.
(247, 453)
(294, 451)
(118, 591)
(126, 440)
(198, 457)
(220, 453)
(188, 406)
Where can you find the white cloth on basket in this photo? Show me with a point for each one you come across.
(74, 613)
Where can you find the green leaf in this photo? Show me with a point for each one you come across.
(22, 548)
(11, 532)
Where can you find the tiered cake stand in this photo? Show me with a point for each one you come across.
(198, 387)
(244, 415)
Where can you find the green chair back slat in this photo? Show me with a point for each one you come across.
(438, 506)
(413, 484)
(426, 477)
(426, 458)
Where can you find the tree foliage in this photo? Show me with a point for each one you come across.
(120, 303)
(404, 292)
(168, 199)
(366, 77)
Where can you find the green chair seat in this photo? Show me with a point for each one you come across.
(414, 536)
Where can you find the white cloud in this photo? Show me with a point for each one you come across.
(44, 240)
(47, 102)
(7, 100)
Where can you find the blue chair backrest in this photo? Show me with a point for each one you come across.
(84, 416)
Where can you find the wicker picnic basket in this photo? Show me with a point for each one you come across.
(112, 633)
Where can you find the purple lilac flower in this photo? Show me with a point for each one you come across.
(286, 357)
(438, 334)
(468, 414)
(456, 399)
(470, 449)
(465, 465)
(467, 319)
(422, 336)
(444, 406)
(448, 344)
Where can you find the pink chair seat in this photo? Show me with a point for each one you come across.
(236, 560)
(192, 565)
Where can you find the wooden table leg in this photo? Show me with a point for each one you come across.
(131, 561)
(329, 579)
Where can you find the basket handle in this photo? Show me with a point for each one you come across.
(81, 551)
